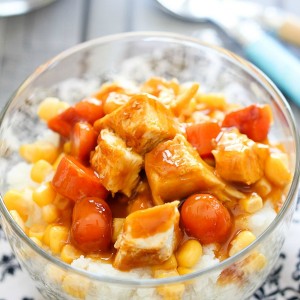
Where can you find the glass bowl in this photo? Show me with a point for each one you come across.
(136, 56)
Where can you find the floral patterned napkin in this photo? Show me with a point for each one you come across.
(283, 282)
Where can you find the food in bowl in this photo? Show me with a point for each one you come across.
(158, 178)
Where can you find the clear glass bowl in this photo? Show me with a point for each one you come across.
(137, 56)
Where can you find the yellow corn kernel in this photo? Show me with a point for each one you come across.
(17, 218)
(36, 241)
(44, 194)
(67, 147)
(252, 203)
(170, 291)
(277, 170)
(40, 170)
(216, 101)
(62, 203)
(76, 286)
(263, 187)
(241, 241)
(50, 213)
(254, 262)
(69, 253)
(189, 253)
(39, 150)
(169, 264)
(14, 200)
(184, 271)
(117, 228)
(46, 237)
(37, 231)
(57, 161)
(241, 222)
(51, 107)
(159, 273)
(55, 274)
(58, 237)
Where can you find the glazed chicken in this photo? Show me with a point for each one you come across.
(149, 237)
(170, 161)
(144, 177)
(122, 176)
(238, 158)
(175, 170)
(143, 122)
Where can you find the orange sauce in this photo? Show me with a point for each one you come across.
(239, 224)
(150, 222)
(104, 257)
(118, 205)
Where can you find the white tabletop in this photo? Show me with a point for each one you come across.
(28, 40)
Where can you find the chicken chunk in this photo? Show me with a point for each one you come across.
(143, 122)
(175, 170)
(238, 158)
(118, 166)
(149, 237)
(114, 101)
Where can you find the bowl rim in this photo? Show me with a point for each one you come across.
(176, 38)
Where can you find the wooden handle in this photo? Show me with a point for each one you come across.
(289, 30)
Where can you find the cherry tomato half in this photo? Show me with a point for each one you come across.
(205, 218)
(91, 229)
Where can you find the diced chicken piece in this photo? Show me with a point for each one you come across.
(175, 170)
(238, 158)
(149, 237)
(143, 122)
(118, 166)
(114, 101)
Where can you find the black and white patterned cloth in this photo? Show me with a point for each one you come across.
(14, 283)
(283, 282)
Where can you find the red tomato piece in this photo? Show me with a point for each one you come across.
(201, 136)
(91, 109)
(254, 121)
(205, 218)
(75, 181)
(83, 141)
(64, 122)
(91, 229)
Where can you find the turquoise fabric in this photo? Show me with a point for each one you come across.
(278, 63)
